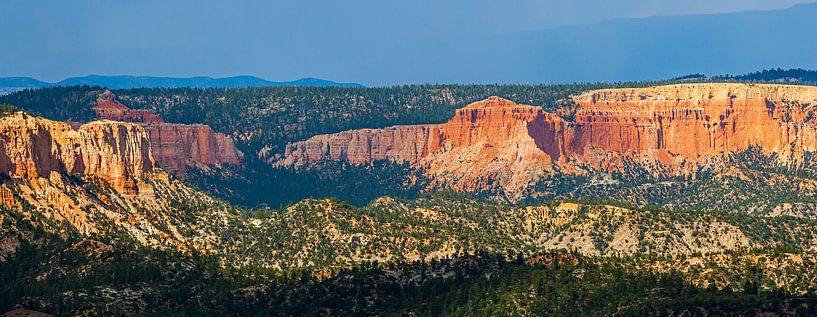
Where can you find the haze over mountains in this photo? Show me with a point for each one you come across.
(429, 49)
(634, 49)
(637, 49)
(11, 84)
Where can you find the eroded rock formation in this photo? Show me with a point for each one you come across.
(32, 147)
(679, 125)
(107, 108)
(175, 146)
(486, 142)
(667, 130)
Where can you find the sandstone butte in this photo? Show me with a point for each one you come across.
(667, 130)
(174, 146)
(116, 152)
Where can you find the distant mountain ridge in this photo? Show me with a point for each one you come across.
(11, 84)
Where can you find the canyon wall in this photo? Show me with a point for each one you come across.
(680, 123)
(32, 147)
(487, 142)
(667, 130)
(175, 146)
(486, 122)
(399, 144)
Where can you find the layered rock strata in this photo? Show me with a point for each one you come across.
(32, 147)
(98, 179)
(175, 146)
(684, 123)
(668, 130)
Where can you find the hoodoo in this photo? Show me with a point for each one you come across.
(667, 130)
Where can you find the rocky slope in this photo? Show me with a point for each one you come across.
(97, 180)
(175, 146)
(425, 229)
(665, 131)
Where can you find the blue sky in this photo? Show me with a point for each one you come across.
(355, 41)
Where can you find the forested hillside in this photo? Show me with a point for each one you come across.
(779, 75)
(436, 256)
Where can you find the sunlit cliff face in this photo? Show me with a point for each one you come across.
(175, 146)
(667, 130)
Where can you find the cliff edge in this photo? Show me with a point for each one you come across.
(667, 130)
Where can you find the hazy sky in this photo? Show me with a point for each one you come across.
(284, 40)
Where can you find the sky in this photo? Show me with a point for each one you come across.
(373, 42)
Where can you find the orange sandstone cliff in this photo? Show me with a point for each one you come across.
(99, 178)
(175, 146)
(116, 152)
(668, 130)
(486, 142)
(680, 124)
(108, 108)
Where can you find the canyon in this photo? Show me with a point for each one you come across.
(174, 146)
(668, 130)
(95, 203)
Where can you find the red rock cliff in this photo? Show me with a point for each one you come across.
(399, 144)
(490, 121)
(697, 120)
(175, 146)
(32, 147)
(667, 129)
(486, 142)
